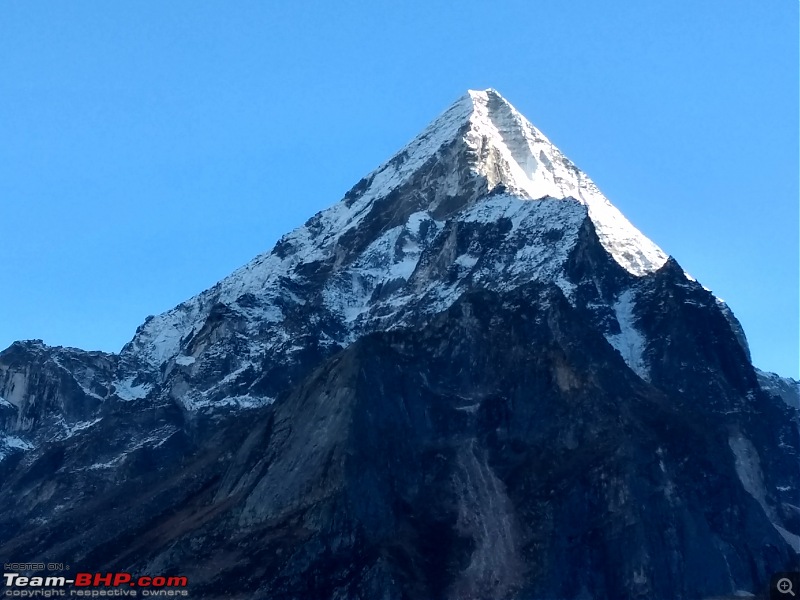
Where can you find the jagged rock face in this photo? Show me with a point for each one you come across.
(505, 451)
(471, 378)
(44, 384)
(787, 388)
(48, 393)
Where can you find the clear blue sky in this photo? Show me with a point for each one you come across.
(149, 148)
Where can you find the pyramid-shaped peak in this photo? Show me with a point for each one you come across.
(473, 163)
(482, 143)
(509, 150)
(483, 131)
(484, 95)
(490, 101)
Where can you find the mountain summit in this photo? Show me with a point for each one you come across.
(472, 377)
(480, 160)
(482, 142)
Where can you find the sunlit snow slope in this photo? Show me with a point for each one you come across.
(377, 256)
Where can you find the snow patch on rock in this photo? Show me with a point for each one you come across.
(72, 429)
(10, 443)
(629, 342)
(125, 389)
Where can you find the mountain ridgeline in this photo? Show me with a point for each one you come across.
(471, 378)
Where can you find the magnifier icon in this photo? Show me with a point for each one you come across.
(784, 586)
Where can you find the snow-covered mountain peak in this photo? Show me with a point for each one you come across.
(481, 143)
(510, 151)
(368, 259)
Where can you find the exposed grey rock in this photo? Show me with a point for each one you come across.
(786, 388)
